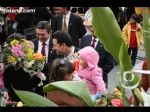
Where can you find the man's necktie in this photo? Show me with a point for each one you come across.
(43, 49)
(65, 24)
(93, 43)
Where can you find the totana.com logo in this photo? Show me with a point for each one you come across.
(23, 10)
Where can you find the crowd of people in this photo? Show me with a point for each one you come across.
(58, 37)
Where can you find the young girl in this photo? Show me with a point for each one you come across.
(61, 70)
(90, 72)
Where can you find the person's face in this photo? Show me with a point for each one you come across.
(61, 10)
(42, 34)
(82, 63)
(132, 20)
(60, 49)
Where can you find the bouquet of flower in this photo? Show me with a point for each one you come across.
(76, 61)
(20, 54)
(111, 99)
(35, 64)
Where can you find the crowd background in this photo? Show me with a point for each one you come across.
(62, 31)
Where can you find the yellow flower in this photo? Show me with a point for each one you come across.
(117, 92)
(14, 42)
(19, 104)
(11, 59)
(75, 54)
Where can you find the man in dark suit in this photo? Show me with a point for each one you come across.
(62, 44)
(44, 44)
(106, 61)
(70, 23)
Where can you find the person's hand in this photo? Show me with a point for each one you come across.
(41, 76)
(76, 77)
(139, 27)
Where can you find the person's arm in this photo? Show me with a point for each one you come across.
(141, 36)
(97, 79)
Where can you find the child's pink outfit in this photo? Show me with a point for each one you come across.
(91, 74)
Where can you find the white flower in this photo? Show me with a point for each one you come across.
(29, 64)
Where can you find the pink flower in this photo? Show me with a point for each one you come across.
(17, 51)
(117, 102)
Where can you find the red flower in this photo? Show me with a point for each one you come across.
(117, 102)
(76, 65)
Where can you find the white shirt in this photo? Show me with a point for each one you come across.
(67, 20)
(70, 54)
(95, 42)
(123, 8)
(40, 45)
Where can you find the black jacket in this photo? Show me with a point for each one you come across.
(42, 13)
(20, 80)
(25, 20)
(76, 29)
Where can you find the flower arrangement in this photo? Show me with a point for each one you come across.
(35, 64)
(76, 61)
(20, 54)
(111, 99)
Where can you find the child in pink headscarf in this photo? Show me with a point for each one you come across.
(90, 72)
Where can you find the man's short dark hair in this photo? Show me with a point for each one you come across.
(62, 37)
(44, 25)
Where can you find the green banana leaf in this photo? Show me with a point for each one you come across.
(146, 27)
(109, 33)
(107, 30)
(125, 101)
(139, 95)
(34, 100)
(75, 88)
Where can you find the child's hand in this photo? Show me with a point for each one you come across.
(97, 95)
(76, 77)
(41, 76)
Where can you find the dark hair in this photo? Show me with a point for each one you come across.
(59, 68)
(62, 37)
(135, 17)
(44, 25)
(16, 36)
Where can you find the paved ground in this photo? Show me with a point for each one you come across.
(114, 75)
